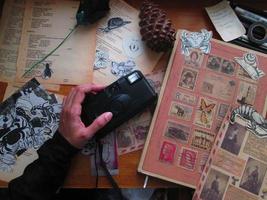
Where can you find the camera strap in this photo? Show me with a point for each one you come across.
(104, 167)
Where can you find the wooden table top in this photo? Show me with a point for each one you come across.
(188, 15)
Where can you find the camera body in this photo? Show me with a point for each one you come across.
(125, 98)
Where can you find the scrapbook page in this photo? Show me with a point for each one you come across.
(237, 166)
(27, 119)
(205, 78)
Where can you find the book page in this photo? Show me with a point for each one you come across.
(46, 24)
(10, 34)
(120, 48)
(197, 92)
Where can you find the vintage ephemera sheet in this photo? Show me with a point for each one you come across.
(237, 166)
(197, 91)
(45, 25)
(27, 119)
(10, 33)
(120, 49)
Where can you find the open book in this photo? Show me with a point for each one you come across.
(198, 90)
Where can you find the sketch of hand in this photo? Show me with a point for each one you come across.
(71, 127)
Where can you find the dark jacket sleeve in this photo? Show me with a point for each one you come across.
(42, 178)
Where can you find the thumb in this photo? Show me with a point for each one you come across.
(99, 123)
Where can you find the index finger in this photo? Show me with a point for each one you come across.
(91, 87)
(82, 89)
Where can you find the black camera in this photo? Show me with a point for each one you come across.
(125, 98)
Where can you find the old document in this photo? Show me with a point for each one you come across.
(46, 24)
(10, 33)
(120, 49)
(225, 21)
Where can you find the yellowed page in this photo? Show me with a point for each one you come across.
(10, 33)
(46, 24)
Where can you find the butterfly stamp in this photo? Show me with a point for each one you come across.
(167, 152)
(205, 112)
(188, 158)
(202, 139)
(181, 111)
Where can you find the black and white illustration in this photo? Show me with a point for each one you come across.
(122, 68)
(132, 46)
(27, 119)
(198, 40)
(101, 59)
(255, 121)
(249, 63)
(114, 23)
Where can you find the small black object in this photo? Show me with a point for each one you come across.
(125, 98)
(91, 10)
(257, 33)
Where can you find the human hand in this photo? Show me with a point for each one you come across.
(71, 127)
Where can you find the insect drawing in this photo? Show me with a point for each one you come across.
(114, 23)
(47, 73)
(205, 109)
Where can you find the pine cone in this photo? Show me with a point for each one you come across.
(155, 28)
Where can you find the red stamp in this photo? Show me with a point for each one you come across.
(167, 152)
(188, 159)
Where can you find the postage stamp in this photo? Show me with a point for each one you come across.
(256, 147)
(205, 112)
(214, 186)
(194, 59)
(202, 162)
(228, 67)
(223, 109)
(246, 93)
(233, 192)
(233, 138)
(188, 79)
(124, 137)
(177, 132)
(167, 152)
(185, 98)
(218, 86)
(214, 62)
(181, 111)
(253, 176)
(234, 164)
(202, 139)
(188, 158)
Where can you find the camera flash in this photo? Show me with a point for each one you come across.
(133, 77)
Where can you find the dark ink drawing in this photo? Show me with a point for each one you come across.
(114, 23)
(27, 119)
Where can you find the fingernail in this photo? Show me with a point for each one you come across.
(108, 116)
